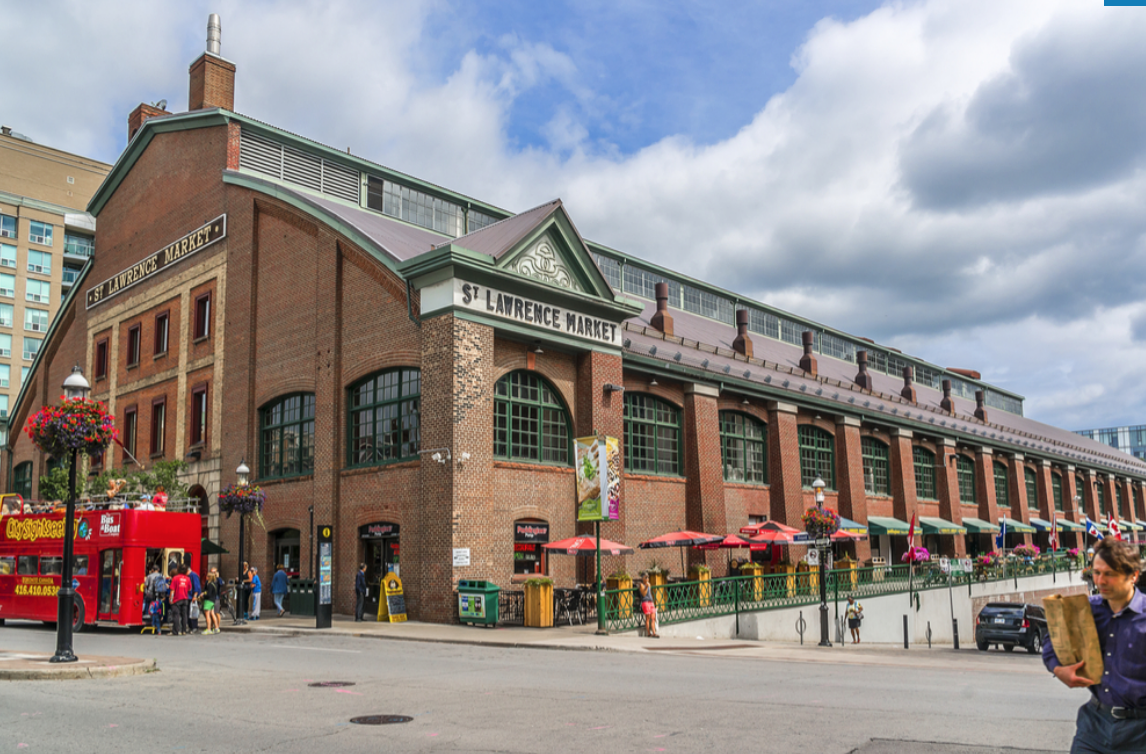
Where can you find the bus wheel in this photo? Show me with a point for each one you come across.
(78, 614)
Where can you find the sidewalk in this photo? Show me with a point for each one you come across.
(33, 666)
(586, 638)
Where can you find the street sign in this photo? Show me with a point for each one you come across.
(812, 557)
(967, 565)
(823, 542)
(945, 565)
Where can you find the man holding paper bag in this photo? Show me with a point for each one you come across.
(1114, 720)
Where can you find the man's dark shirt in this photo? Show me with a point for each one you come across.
(1123, 640)
(360, 583)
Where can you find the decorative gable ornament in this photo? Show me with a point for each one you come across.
(542, 263)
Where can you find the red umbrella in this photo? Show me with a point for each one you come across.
(587, 546)
(731, 542)
(681, 539)
(775, 526)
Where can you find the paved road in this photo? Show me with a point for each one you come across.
(246, 693)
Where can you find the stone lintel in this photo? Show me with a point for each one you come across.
(848, 421)
(897, 432)
(699, 388)
(781, 407)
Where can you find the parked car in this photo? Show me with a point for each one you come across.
(1010, 625)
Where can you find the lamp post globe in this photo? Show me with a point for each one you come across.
(818, 485)
(243, 472)
(75, 386)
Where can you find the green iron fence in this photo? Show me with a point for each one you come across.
(695, 600)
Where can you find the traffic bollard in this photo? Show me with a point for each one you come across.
(905, 632)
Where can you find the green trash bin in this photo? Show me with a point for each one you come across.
(478, 602)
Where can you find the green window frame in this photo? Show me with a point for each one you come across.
(965, 471)
(1056, 491)
(384, 413)
(1002, 485)
(530, 422)
(876, 467)
(817, 456)
(743, 448)
(1100, 493)
(1032, 482)
(286, 437)
(22, 480)
(1118, 509)
(652, 436)
(924, 461)
(1080, 492)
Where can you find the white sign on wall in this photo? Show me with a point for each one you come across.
(461, 556)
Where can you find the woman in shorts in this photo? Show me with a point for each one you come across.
(854, 615)
(210, 599)
(648, 606)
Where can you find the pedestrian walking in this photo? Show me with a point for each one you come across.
(1114, 719)
(256, 594)
(180, 600)
(279, 588)
(196, 595)
(648, 606)
(210, 599)
(854, 614)
(360, 592)
(245, 591)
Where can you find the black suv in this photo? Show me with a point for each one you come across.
(1011, 624)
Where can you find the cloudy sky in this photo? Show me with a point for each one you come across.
(961, 179)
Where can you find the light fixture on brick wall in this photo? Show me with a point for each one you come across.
(653, 382)
(437, 454)
(536, 348)
(611, 388)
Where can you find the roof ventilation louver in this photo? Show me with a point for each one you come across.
(704, 364)
(628, 343)
(652, 350)
(678, 356)
(785, 383)
(768, 379)
(747, 374)
(819, 391)
(727, 368)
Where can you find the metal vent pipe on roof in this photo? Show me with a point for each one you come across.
(214, 34)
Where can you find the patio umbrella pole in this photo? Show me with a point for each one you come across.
(600, 601)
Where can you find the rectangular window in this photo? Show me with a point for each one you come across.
(130, 424)
(35, 320)
(133, 335)
(7, 313)
(158, 425)
(1032, 489)
(876, 467)
(198, 415)
(965, 470)
(24, 373)
(3, 406)
(71, 275)
(40, 262)
(161, 325)
(40, 233)
(1056, 492)
(202, 316)
(5, 375)
(31, 347)
(1002, 486)
(7, 256)
(80, 246)
(7, 226)
(39, 291)
(101, 359)
(5, 345)
(7, 285)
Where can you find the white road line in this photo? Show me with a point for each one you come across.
(314, 649)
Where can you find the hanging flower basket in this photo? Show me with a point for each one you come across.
(1026, 551)
(821, 522)
(75, 424)
(241, 498)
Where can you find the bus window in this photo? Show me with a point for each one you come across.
(7, 566)
(28, 565)
(110, 562)
(81, 565)
(51, 566)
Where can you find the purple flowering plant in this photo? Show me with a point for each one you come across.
(821, 522)
(75, 424)
(241, 498)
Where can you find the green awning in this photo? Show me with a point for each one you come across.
(852, 527)
(1065, 525)
(1018, 527)
(887, 525)
(1124, 525)
(979, 526)
(935, 525)
(207, 547)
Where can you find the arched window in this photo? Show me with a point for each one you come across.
(817, 456)
(652, 435)
(22, 480)
(384, 410)
(286, 437)
(1032, 489)
(529, 421)
(1002, 487)
(1056, 491)
(965, 469)
(924, 473)
(743, 448)
(876, 467)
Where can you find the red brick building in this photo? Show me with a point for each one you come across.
(412, 365)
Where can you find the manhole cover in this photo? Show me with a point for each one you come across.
(381, 719)
(330, 684)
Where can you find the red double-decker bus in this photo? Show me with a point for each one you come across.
(114, 548)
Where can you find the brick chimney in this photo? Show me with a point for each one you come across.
(743, 343)
(662, 320)
(908, 391)
(980, 406)
(212, 77)
(142, 113)
(947, 404)
(808, 361)
(863, 379)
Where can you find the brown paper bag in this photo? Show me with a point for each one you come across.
(1073, 633)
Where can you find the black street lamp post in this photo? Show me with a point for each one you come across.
(241, 475)
(75, 386)
(818, 486)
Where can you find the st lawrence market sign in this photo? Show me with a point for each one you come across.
(540, 314)
(196, 240)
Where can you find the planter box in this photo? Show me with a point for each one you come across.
(539, 605)
(704, 587)
(621, 605)
(659, 595)
(756, 590)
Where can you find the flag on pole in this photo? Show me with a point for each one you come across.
(1001, 537)
(1054, 531)
(1092, 529)
(1114, 529)
(911, 535)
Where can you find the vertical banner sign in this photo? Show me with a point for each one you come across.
(598, 478)
(325, 570)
